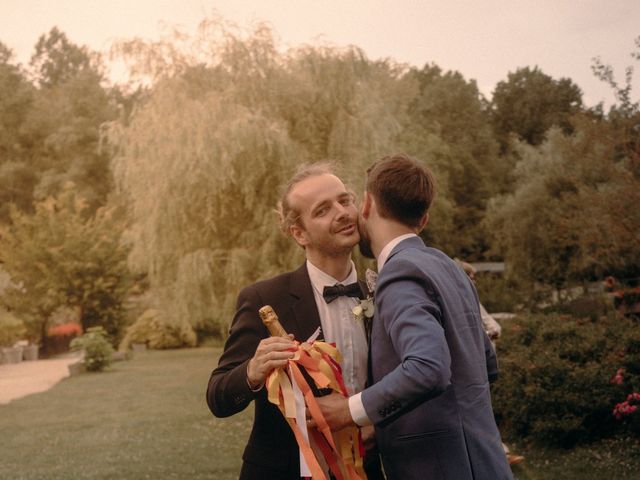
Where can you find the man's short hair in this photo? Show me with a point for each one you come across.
(403, 188)
(288, 214)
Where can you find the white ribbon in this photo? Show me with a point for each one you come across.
(301, 419)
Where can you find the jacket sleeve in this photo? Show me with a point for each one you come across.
(228, 391)
(411, 321)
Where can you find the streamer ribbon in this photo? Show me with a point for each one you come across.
(342, 451)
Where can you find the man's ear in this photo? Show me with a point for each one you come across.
(366, 205)
(299, 235)
(423, 222)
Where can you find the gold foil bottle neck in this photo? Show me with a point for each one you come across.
(270, 320)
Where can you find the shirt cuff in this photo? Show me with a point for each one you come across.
(256, 389)
(358, 413)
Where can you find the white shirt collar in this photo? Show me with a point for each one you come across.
(320, 279)
(386, 251)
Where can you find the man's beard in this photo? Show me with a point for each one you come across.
(365, 242)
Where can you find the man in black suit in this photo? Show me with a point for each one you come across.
(320, 214)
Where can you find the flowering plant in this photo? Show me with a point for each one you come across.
(627, 407)
(65, 330)
(618, 378)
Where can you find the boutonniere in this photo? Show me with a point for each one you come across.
(365, 307)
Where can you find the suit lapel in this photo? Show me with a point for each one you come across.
(306, 318)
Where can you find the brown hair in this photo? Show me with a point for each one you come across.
(287, 213)
(402, 187)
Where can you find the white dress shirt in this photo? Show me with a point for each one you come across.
(339, 326)
(356, 408)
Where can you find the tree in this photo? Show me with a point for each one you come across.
(62, 131)
(15, 101)
(623, 94)
(17, 180)
(573, 213)
(447, 123)
(57, 60)
(202, 160)
(49, 135)
(530, 102)
(61, 257)
(201, 176)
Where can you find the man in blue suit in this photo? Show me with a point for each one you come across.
(430, 361)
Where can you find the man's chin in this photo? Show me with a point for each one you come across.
(353, 242)
(346, 244)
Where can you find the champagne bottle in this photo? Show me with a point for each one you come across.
(270, 320)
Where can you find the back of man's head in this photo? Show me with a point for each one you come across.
(402, 188)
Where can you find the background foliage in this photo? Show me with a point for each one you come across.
(97, 348)
(557, 383)
(60, 256)
(159, 193)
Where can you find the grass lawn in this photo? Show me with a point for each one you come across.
(617, 459)
(147, 418)
(143, 418)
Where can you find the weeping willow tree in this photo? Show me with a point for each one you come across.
(227, 121)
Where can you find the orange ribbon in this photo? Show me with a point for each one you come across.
(341, 450)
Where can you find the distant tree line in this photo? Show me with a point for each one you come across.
(168, 185)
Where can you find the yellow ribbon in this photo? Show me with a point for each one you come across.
(342, 450)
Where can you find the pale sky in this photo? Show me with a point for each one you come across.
(482, 39)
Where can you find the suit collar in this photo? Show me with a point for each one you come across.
(320, 279)
(385, 253)
(299, 283)
(413, 241)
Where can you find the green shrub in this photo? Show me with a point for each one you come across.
(152, 329)
(12, 329)
(557, 377)
(498, 294)
(98, 349)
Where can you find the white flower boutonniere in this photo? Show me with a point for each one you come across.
(365, 307)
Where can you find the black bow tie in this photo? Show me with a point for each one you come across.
(338, 290)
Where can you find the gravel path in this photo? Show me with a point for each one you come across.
(18, 380)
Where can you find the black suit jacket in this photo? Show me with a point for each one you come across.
(271, 452)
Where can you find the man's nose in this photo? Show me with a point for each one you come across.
(342, 210)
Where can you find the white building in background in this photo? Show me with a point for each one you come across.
(491, 267)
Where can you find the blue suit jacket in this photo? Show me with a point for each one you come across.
(431, 362)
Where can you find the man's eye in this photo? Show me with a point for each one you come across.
(320, 212)
(345, 202)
